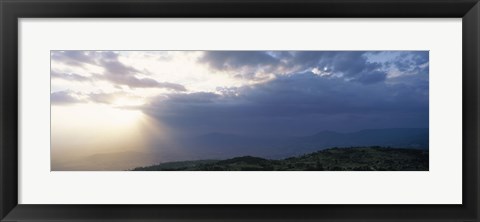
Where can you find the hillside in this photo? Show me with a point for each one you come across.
(334, 159)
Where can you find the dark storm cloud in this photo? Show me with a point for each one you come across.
(300, 103)
(371, 77)
(114, 70)
(193, 98)
(352, 65)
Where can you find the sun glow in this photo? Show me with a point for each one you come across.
(127, 102)
(92, 128)
(82, 132)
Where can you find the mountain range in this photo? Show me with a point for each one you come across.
(229, 145)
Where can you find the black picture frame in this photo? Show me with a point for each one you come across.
(12, 10)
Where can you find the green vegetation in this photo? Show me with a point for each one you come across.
(335, 159)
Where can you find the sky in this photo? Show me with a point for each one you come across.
(125, 99)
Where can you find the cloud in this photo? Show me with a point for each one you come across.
(107, 98)
(295, 104)
(193, 98)
(67, 97)
(135, 82)
(412, 61)
(64, 98)
(251, 65)
(172, 86)
(371, 77)
(72, 57)
(115, 71)
(351, 65)
(311, 90)
(238, 59)
(69, 76)
(116, 99)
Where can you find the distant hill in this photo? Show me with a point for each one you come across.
(415, 138)
(334, 159)
(220, 145)
(401, 137)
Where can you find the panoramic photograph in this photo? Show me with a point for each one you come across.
(239, 110)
